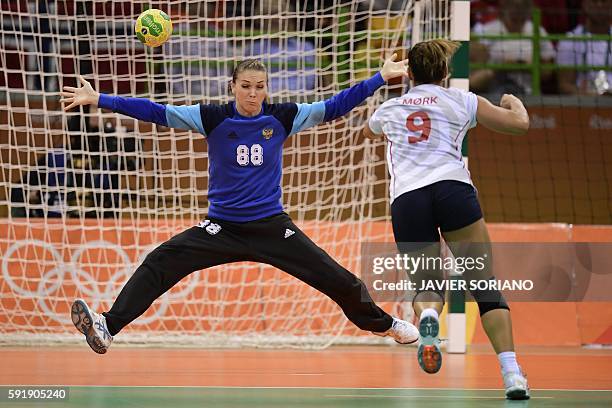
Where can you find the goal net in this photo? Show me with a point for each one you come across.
(85, 195)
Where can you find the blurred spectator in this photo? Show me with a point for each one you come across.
(598, 20)
(514, 17)
(44, 191)
(573, 10)
(483, 11)
(555, 15)
(56, 177)
(98, 156)
(290, 58)
(25, 196)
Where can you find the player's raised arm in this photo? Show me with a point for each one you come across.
(510, 117)
(180, 117)
(373, 128)
(312, 114)
(369, 133)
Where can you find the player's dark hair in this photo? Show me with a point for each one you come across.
(428, 60)
(246, 65)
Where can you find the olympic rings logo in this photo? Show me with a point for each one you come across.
(74, 273)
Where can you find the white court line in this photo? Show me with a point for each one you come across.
(423, 396)
(290, 387)
(306, 374)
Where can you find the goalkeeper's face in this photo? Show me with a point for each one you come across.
(250, 90)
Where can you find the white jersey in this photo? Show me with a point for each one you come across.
(425, 129)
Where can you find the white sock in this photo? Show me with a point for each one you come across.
(430, 312)
(508, 363)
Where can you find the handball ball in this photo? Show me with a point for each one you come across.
(153, 27)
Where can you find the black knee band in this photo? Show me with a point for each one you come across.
(489, 300)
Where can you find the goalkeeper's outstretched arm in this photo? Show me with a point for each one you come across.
(312, 114)
(180, 117)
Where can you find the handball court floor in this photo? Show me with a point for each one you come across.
(372, 376)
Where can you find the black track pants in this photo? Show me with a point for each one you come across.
(274, 240)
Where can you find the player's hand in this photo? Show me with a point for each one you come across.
(84, 95)
(507, 100)
(392, 69)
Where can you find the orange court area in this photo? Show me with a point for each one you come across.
(377, 376)
(337, 367)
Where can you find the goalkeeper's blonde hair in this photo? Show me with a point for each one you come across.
(429, 60)
(250, 64)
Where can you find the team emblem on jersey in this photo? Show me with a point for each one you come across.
(267, 133)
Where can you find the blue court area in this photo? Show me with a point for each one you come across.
(238, 397)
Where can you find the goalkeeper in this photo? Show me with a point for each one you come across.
(245, 220)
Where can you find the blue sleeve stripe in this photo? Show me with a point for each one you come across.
(185, 117)
(343, 102)
(308, 115)
(138, 108)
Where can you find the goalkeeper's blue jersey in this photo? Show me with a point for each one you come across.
(245, 153)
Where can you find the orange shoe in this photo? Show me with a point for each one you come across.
(429, 355)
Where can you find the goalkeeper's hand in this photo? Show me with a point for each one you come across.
(84, 95)
(392, 69)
